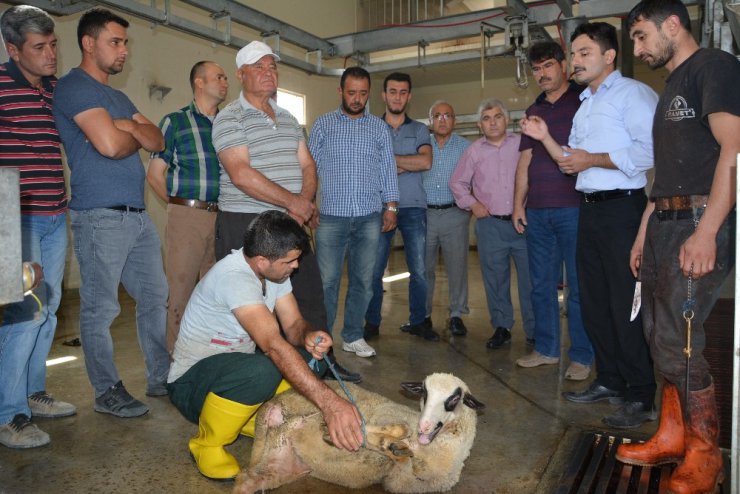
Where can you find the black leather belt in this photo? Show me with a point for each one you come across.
(441, 206)
(505, 217)
(679, 214)
(126, 209)
(607, 195)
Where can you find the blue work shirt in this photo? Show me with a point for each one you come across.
(408, 139)
(618, 120)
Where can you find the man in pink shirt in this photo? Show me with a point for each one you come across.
(483, 183)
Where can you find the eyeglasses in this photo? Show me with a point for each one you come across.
(443, 116)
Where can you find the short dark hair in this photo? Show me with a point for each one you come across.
(355, 72)
(398, 77)
(545, 50)
(20, 20)
(657, 11)
(273, 234)
(197, 71)
(94, 20)
(603, 34)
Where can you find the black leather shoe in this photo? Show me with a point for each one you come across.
(500, 336)
(632, 415)
(371, 331)
(595, 392)
(406, 327)
(424, 329)
(457, 327)
(344, 374)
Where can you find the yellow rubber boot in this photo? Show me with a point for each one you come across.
(248, 429)
(219, 425)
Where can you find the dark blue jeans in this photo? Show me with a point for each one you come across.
(412, 222)
(551, 241)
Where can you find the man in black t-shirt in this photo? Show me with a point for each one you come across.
(684, 249)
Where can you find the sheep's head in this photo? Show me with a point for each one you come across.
(442, 396)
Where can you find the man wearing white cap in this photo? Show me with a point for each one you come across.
(266, 165)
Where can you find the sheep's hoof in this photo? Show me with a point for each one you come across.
(400, 449)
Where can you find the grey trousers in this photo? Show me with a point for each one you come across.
(447, 230)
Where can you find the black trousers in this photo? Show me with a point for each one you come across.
(306, 280)
(606, 232)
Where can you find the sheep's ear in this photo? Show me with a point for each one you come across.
(416, 388)
(472, 402)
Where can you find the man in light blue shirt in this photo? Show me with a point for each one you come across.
(359, 198)
(611, 150)
(447, 225)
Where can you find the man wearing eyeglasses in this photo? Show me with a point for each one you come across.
(447, 225)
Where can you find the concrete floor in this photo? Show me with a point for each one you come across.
(524, 435)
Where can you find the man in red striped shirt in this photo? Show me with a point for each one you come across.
(29, 141)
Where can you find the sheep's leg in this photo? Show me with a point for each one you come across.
(385, 439)
(281, 466)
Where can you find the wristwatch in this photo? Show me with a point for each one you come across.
(392, 209)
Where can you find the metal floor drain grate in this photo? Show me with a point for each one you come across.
(593, 469)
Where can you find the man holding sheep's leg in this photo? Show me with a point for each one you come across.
(230, 356)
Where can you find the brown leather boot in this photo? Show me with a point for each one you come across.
(667, 445)
(702, 469)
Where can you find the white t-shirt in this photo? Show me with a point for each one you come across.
(209, 326)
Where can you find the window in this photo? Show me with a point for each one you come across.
(293, 102)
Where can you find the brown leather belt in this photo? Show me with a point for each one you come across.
(680, 203)
(195, 203)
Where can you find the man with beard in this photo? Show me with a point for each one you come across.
(611, 149)
(359, 198)
(413, 153)
(185, 176)
(551, 217)
(686, 238)
(232, 354)
(115, 241)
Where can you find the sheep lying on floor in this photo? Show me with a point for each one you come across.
(432, 446)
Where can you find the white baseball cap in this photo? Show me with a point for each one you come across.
(253, 52)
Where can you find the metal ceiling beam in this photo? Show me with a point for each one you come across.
(442, 29)
(444, 58)
(55, 7)
(566, 7)
(263, 23)
(594, 9)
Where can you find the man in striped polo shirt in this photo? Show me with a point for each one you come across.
(29, 141)
(185, 176)
(266, 165)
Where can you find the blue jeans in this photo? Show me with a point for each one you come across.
(413, 225)
(356, 239)
(26, 333)
(114, 247)
(551, 241)
(498, 243)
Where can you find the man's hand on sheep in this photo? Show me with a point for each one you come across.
(317, 343)
(344, 422)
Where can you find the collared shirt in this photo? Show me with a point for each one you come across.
(192, 162)
(486, 173)
(408, 139)
(30, 142)
(548, 186)
(355, 164)
(617, 120)
(272, 147)
(444, 161)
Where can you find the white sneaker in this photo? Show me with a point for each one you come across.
(359, 348)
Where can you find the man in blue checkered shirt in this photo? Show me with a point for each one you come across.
(359, 198)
